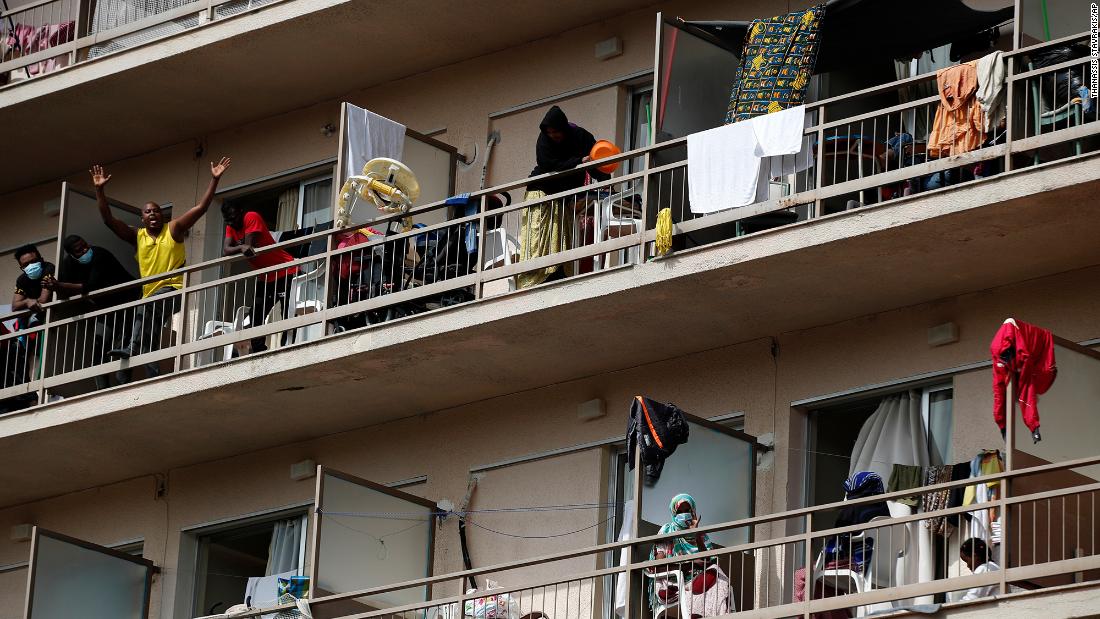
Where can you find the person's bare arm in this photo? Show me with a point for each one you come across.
(64, 290)
(180, 225)
(22, 302)
(121, 230)
(245, 247)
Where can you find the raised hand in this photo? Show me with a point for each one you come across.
(217, 170)
(99, 177)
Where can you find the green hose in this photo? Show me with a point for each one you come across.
(1046, 20)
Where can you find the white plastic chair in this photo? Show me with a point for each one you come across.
(844, 580)
(499, 250)
(214, 328)
(669, 579)
(616, 213)
(305, 295)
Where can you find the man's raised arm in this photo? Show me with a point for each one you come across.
(180, 225)
(121, 230)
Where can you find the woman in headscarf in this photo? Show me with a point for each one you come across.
(706, 590)
(548, 227)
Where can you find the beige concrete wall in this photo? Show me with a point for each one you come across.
(445, 445)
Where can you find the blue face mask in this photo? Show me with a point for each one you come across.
(86, 257)
(33, 270)
(683, 520)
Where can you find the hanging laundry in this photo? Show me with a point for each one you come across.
(906, 477)
(987, 462)
(959, 472)
(991, 89)
(659, 429)
(725, 165)
(777, 61)
(29, 39)
(957, 128)
(1024, 354)
(937, 500)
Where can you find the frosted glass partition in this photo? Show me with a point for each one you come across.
(1067, 412)
(370, 536)
(696, 77)
(717, 468)
(81, 217)
(68, 574)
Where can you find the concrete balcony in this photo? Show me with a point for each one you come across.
(114, 84)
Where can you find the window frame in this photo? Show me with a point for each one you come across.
(946, 383)
(302, 183)
(187, 565)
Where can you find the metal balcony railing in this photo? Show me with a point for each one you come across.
(455, 259)
(40, 37)
(1046, 539)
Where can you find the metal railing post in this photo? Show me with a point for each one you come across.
(1006, 485)
(642, 245)
(181, 337)
(819, 161)
(326, 302)
(809, 587)
(39, 373)
(1009, 111)
(482, 235)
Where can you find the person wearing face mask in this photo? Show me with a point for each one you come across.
(703, 586)
(89, 268)
(160, 249)
(31, 289)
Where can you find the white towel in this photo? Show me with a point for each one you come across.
(779, 133)
(369, 136)
(991, 89)
(724, 164)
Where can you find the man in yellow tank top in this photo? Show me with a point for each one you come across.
(160, 249)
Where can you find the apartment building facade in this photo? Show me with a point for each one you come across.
(478, 426)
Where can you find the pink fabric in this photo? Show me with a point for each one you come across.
(32, 39)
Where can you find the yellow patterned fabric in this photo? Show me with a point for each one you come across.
(776, 64)
(544, 229)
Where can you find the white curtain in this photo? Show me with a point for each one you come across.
(286, 218)
(286, 544)
(317, 203)
(894, 434)
(620, 578)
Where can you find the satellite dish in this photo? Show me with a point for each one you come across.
(386, 183)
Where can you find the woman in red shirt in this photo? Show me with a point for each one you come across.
(246, 232)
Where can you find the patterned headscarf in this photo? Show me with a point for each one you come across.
(674, 507)
(864, 483)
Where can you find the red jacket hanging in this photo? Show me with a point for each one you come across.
(1025, 354)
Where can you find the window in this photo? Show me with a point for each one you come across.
(834, 430)
(315, 202)
(638, 122)
(242, 558)
(290, 205)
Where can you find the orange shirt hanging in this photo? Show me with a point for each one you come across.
(957, 128)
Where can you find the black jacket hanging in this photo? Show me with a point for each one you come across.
(659, 429)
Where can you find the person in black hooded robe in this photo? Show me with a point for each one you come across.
(548, 227)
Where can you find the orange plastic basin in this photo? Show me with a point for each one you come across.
(603, 149)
